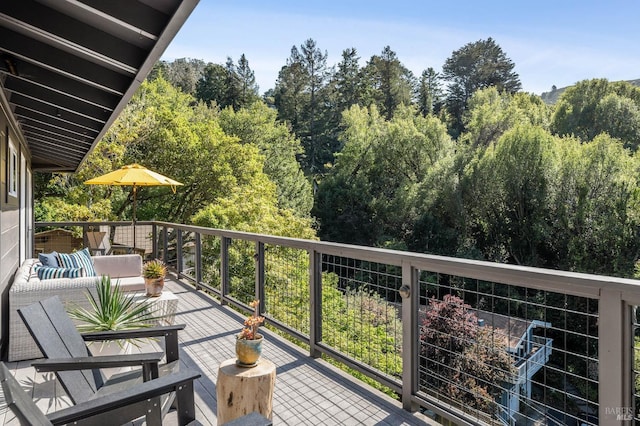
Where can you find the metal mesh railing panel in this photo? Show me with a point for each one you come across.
(361, 312)
(188, 260)
(498, 351)
(287, 286)
(242, 270)
(211, 273)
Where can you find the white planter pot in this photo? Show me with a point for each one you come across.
(111, 348)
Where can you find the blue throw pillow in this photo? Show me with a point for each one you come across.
(49, 259)
(80, 259)
(48, 273)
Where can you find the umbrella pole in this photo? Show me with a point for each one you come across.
(134, 215)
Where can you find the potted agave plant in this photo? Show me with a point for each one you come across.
(113, 310)
(249, 341)
(154, 272)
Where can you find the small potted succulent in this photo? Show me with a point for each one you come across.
(249, 341)
(154, 272)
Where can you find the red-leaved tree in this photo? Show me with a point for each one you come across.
(464, 361)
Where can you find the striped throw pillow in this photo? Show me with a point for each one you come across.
(80, 259)
(49, 273)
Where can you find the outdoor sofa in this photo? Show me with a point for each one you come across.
(27, 288)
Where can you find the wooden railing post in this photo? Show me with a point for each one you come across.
(315, 302)
(179, 251)
(410, 292)
(259, 291)
(198, 260)
(224, 269)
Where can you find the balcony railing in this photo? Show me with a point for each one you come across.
(406, 320)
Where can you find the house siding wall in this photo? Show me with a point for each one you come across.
(10, 239)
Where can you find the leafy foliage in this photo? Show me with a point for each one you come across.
(465, 361)
(372, 189)
(230, 85)
(389, 83)
(163, 130)
(300, 94)
(491, 113)
(596, 208)
(507, 194)
(476, 66)
(257, 125)
(183, 73)
(597, 106)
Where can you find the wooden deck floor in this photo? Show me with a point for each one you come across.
(308, 391)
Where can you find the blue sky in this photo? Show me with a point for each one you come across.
(551, 42)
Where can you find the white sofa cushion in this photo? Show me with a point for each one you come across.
(117, 266)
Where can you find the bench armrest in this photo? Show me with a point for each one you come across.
(139, 333)
(108, 406)
(148, 361)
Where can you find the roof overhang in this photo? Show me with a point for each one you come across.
(69, 67)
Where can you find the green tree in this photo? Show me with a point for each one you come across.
(429, 92)
(389, 84)
(347, 81)
(212, 86)
(183, 73)
(476, 66)
(595, 208)
(228, 85)
(506, 193)
(300, 96)
(257, 125)
(590, 108)
(254, 208)
(378, 174)
(619, 117)
(232, 86)
(248, 87)
(64, 197)
(290, 97)
(491, 113)
(343, 198)
(315, 64)
(166, 131)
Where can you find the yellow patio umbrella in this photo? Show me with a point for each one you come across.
(134, 175)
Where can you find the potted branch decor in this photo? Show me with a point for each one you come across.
(154, 272)
(249, 341)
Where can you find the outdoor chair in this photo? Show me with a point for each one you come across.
(78, 371)
(99, 244)
(125, 406)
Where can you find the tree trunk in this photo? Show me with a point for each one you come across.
(241, 391)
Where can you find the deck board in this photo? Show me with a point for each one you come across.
(308, 391)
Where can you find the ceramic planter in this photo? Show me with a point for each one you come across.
(154, 286)
(248, 351)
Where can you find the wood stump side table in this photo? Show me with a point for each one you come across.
(241, 391)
